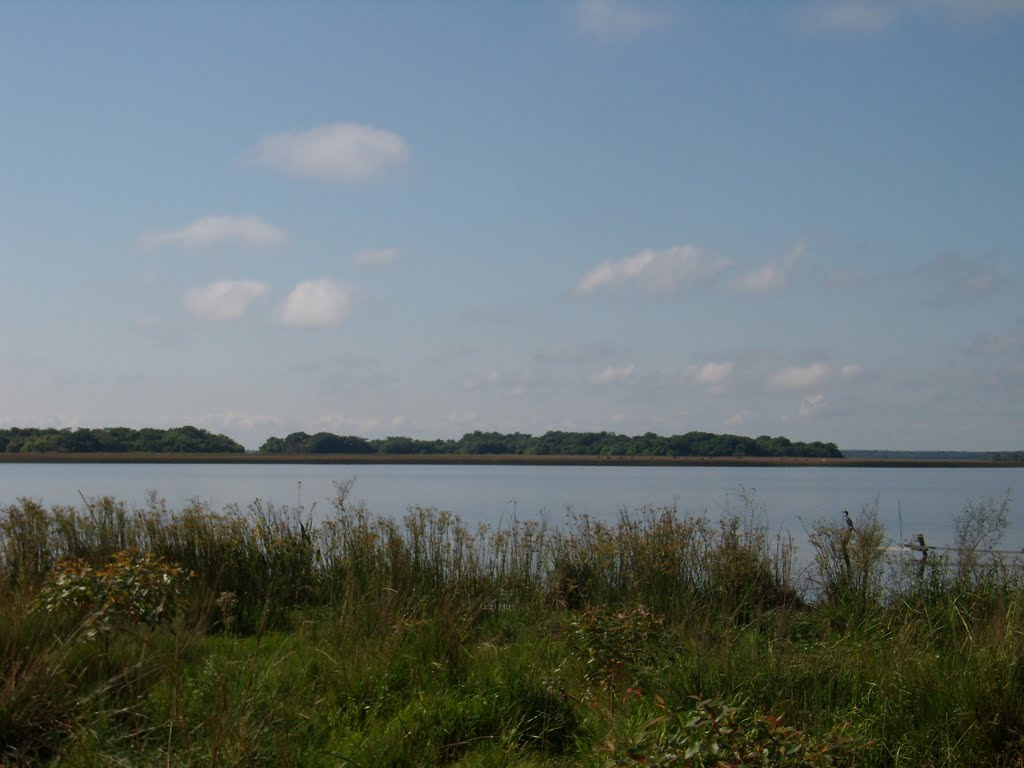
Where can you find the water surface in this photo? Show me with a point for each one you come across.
(790, 498)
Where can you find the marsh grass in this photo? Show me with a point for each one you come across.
(363, 640)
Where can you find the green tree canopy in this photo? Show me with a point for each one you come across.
(185, 439)
(558, 443)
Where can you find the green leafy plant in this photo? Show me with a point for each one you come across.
(719, 734)
(617, 645)
(132, 589)
(979, 528)
(850, 567)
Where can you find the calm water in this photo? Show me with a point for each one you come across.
(791, 497)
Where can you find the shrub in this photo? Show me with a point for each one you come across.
(132, 589)
(716, 733)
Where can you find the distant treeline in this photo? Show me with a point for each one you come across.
(556, 444)
(115, 440)
(1007, 456)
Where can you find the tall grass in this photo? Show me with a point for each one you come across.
(365, 640)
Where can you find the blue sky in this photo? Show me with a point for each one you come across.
(792, 218)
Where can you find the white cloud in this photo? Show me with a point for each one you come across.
(225, 299)
(713, 374)
(964, 279)
(970, 8)
(209, 231)
(612, 373)
(838, 280)
(381, 257)
(800, 377)
(794, 255)
(615, 19)
(667, 271)
(56, 422)
(340, 424)
(461, 418)
(489, 379)
(762, 280)
(236, 420)
(850, 15)
(860, 16)
(737, 419)
(811, 403)
(339, 152)
(980, 283)
(772, 276)
(317, 304)
(452, 353)
(575, 353)
(849, 371)
(992, 344)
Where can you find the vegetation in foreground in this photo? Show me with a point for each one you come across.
(258, 637)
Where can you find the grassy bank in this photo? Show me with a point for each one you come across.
(256, 637)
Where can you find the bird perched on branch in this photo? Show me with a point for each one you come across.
(849, 522)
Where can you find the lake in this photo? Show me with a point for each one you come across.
(791, 498)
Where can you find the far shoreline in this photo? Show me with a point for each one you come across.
(495, 460)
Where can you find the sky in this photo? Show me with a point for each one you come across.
(797, 218)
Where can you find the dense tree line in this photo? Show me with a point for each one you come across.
(557, 444)
(190, 439)
(115, 440)
(1015, 457)
(1002, 456)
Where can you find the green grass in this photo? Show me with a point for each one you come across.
(255, 637)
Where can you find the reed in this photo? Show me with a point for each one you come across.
(269, 636)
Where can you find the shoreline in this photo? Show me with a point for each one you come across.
(493, 459)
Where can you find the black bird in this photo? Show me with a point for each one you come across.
(849, 522)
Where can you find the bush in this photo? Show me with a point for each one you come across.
(716, 733)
